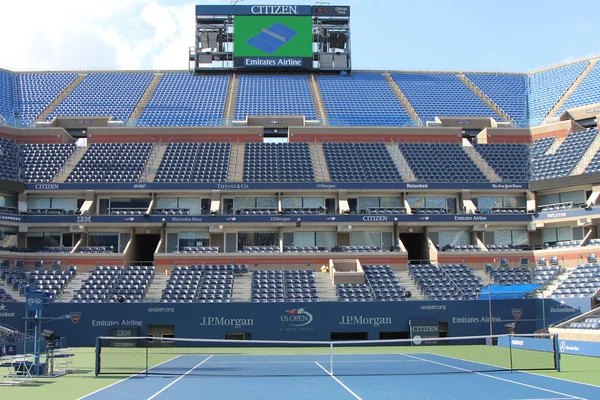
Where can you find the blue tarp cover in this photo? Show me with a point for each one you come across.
(501, 292)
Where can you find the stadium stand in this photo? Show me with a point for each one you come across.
(383, 283)
(201, 283)
(360, 162)
(112, 162)
(509, 161)
(6, 99)
(441, 162)
(583, 281)
(588, 323)
(509, 92)
(562, 162)
(35, 91)
(104, 94)
(175, 102)
(289, 286)
(441, 95)
(509, 276)
(278, 162)
(9, 160)
(540, 146)
(274, 95)
(594, 165)
(547, 87)
(588, 91)
(110, 284)
(42, 161)
(378, 105)
(194, 162)
(446, 281)
(353, 292)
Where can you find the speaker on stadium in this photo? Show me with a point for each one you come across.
(407, 294)
(121, 299)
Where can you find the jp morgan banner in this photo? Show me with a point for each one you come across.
(272, 62)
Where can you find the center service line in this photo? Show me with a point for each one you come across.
(338, 381)
(178, 379)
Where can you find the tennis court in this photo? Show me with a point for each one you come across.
(389, 372)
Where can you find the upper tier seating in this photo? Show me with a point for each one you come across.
(194, 162)
(588, 91)
(589, 323)
(361, 100)
(9, 153)
(442, 95)
(567, 156)
(106, 284)
(104, 94)
(594, 165)
(42, 161)
(540, 146)
(446, 282)
(288, 286)
(508, 91)
(360, 162)
(6, 99)
(278, 162)
(274, 95)
(547, 87)
(509, 161)
(112, 162)
(201, 283)
(184, 99)
(441, 162)
(36, 91)
(583, 281)
(384, 284)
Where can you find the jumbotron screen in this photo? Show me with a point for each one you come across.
(273, 41)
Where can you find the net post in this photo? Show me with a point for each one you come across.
(331, 358)
(510, 355)
(556, 353)
(147, 341)
(97, 360)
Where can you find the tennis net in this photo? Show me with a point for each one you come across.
(214, 357)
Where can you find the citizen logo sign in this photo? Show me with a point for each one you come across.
(278, 10)
(379, 218)
(47, 186)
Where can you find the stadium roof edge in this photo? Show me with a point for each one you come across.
(564, 63)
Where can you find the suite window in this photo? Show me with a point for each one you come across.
(39, 240)
(259, 239)
(103, 239)
(194, 239)
(365, 238)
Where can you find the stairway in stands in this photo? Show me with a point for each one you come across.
(242, 288)
(230, 100)
(325, 287)
(63, 95)
(412, 112)
(144, 99)
(571, 89)
(406, 281)
(484, 97)
(235, 172)
(149, 172)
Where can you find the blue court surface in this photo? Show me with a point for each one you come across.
(420, 376)
(272, 38)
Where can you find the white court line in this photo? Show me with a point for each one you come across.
(497, 377)
(340, 382)
(523, 372)
(123, 380)
(178, 379)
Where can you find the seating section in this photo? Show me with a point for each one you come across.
(567, 156)
(259, 249)
(509, 276)
(353, 292)
(111, 284)
(194, 162)
(278, 162)
(201, 283)
(361, 100)
(509, 161)
(563, 244)
(509, 92)
(544, 275)
(9, 153)
(104, 94)
(360, 162)
(588, 91)
(357, 249)
(34, 92)
(6, 99)
(96, 249)
(288, 286)
(274, 95)
(42, 161)
(384, 284)
(446, 282)
(588, 323)
(540, 146)
(456, 247)
(198, 250)
(441, 162)
(442, 95)
(547, 87)
(112, 162)
(594, 165)
(184, 99)
(583, 281)
(51, 283)
(305, 249)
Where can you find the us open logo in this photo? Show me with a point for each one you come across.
(297, 317)
(517, 313)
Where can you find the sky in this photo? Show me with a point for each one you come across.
(465, 35)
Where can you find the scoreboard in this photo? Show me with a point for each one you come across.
(271, 37)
